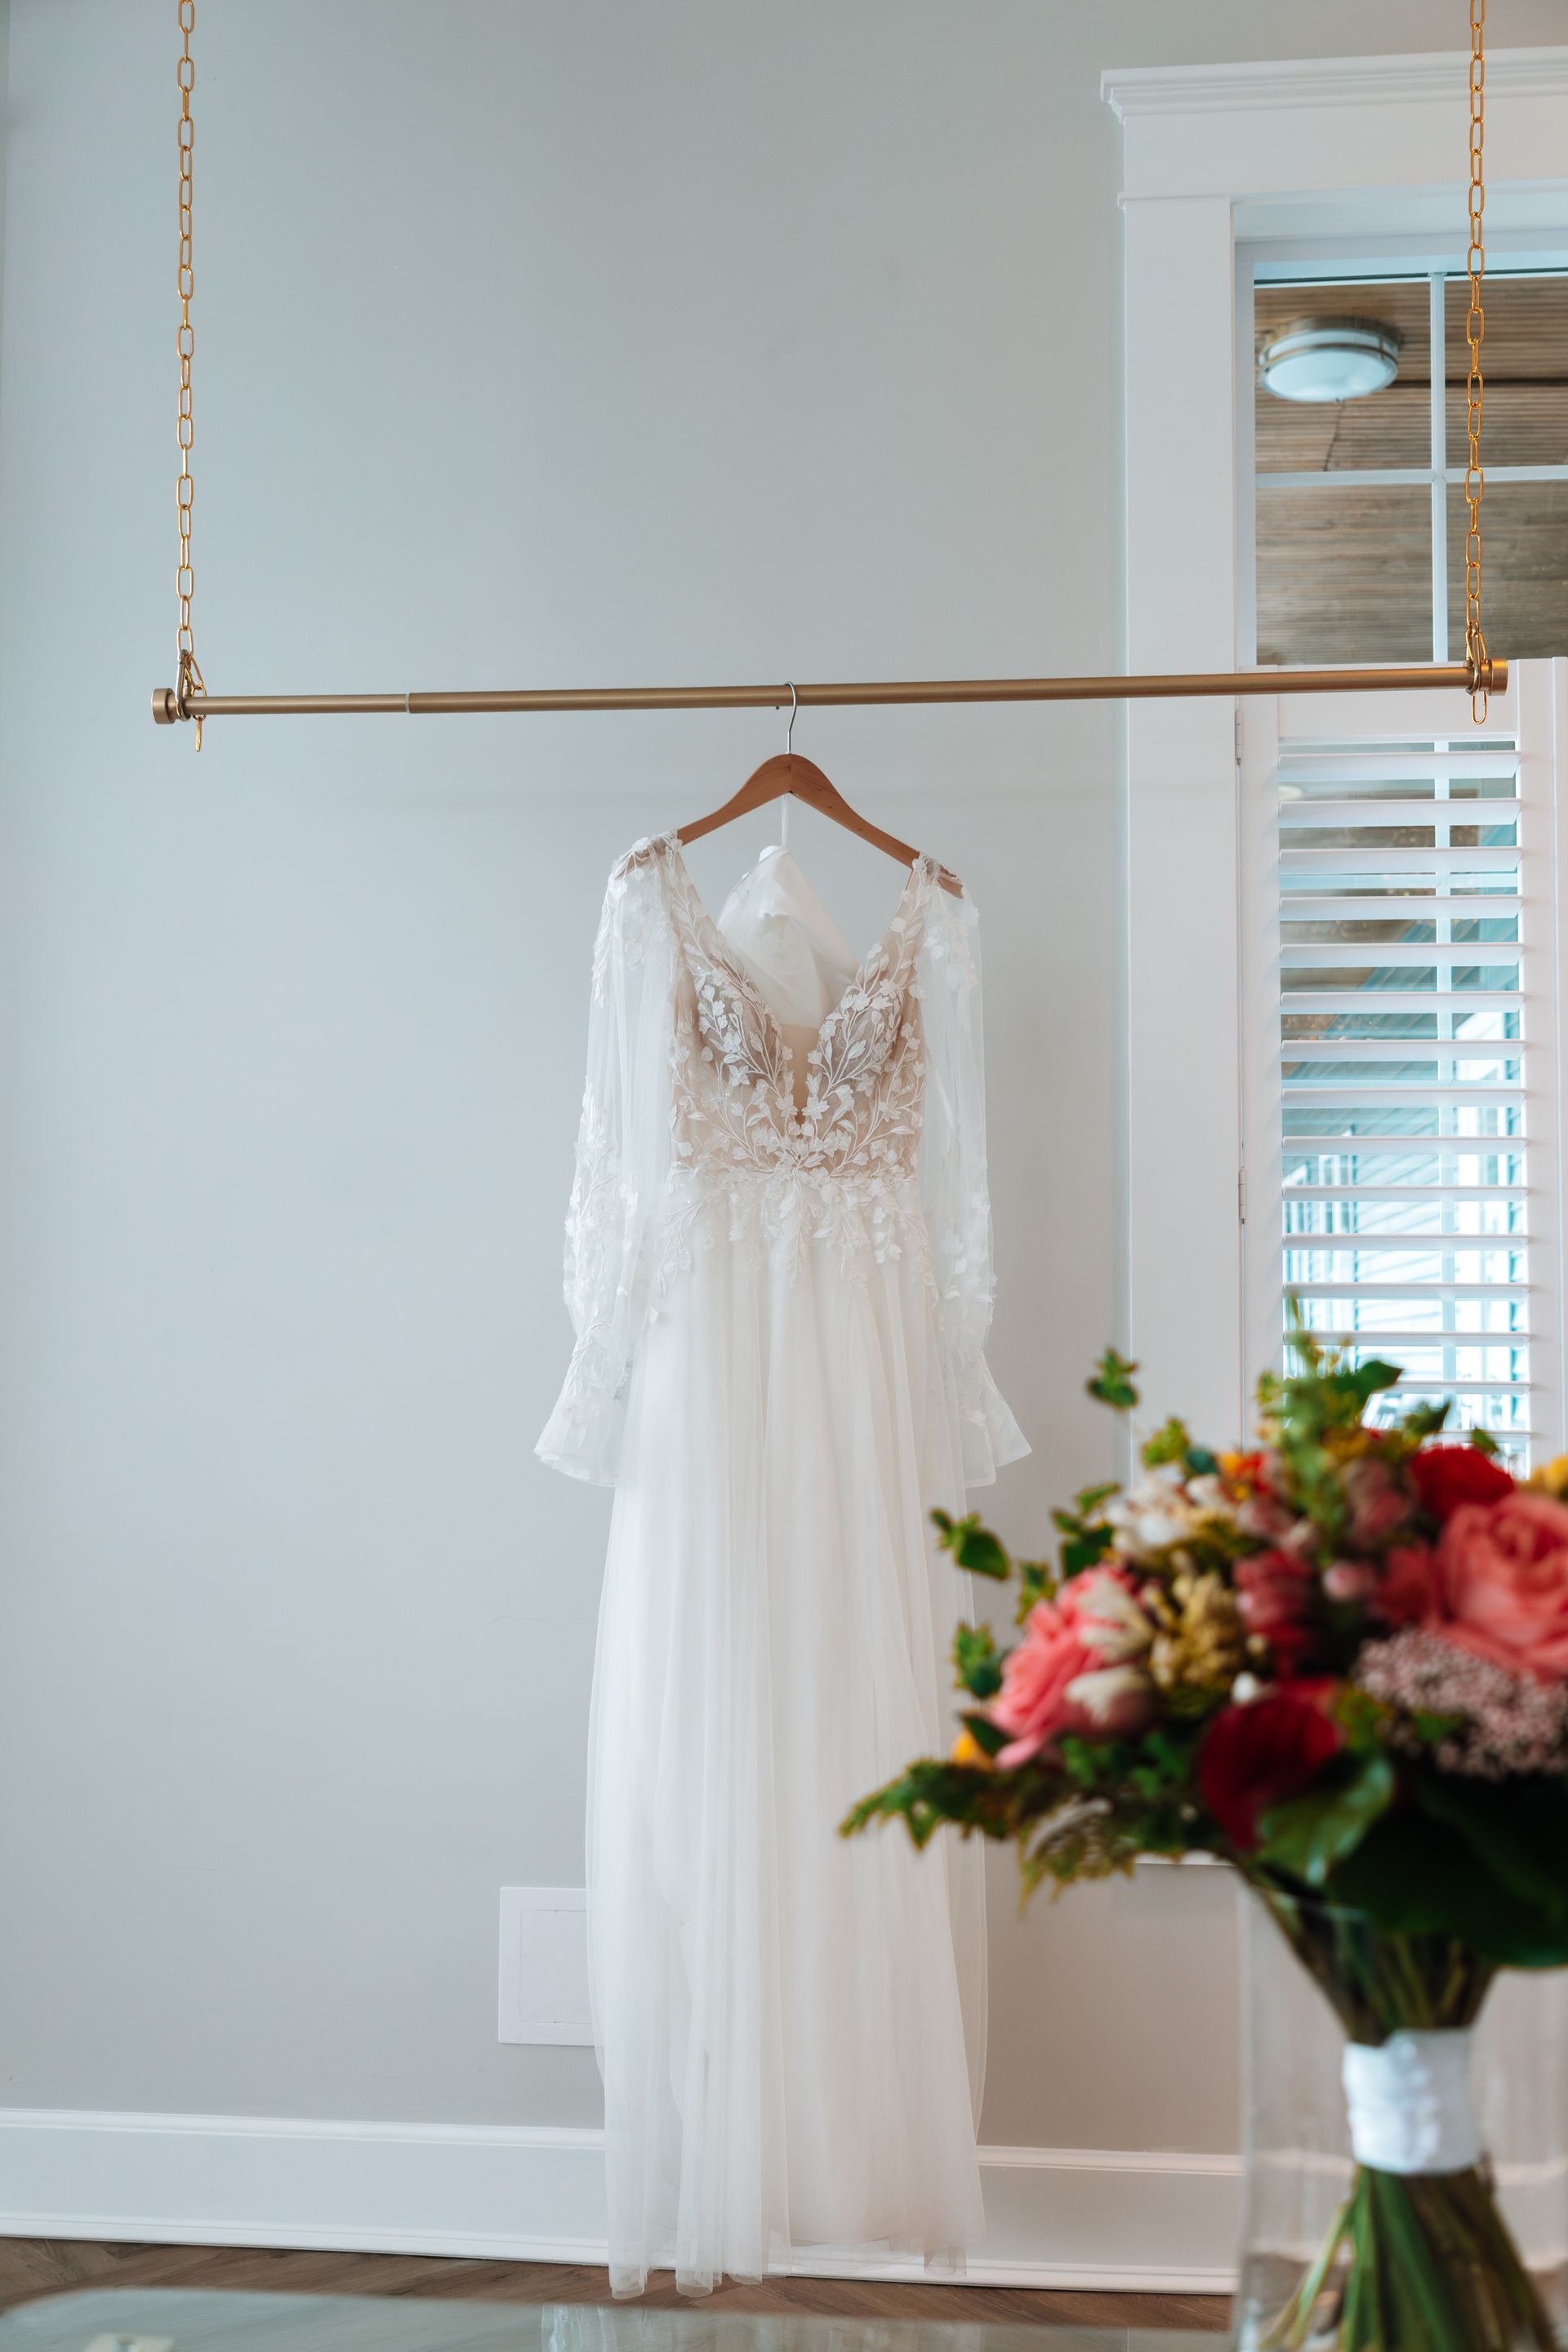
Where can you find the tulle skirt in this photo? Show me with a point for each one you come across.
(790, 2025)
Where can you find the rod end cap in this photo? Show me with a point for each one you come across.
(1487, 675)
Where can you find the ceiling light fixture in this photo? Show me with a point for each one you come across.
(1330, 359)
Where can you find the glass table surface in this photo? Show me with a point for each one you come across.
(175, 2319)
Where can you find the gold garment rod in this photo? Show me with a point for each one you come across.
(168, 704)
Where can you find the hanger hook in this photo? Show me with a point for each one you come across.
(794, 707)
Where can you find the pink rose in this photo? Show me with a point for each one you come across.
(1501, 1583)
(1059, 1680)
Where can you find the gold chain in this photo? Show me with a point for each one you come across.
(1475, 330)
(190, 676)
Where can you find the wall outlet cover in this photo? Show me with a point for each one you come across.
(543, 1993)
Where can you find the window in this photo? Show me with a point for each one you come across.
(1406, 1054)
(1402, 1081)
(1360, 517)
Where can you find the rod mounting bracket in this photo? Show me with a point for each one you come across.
(1489, 675)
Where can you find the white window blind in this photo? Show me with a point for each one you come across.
(1414, 1092)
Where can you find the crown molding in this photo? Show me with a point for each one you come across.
(1436, 77)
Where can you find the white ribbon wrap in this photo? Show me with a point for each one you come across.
(1410, 2103)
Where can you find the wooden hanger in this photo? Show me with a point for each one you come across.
(788, 774)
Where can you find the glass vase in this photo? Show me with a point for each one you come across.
(1405, 2145)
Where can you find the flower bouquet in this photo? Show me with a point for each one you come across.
(1338, 1661)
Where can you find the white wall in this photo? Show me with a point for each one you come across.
(535, 343)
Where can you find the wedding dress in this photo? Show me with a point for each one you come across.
(778, 1266)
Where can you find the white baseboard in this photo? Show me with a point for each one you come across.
(1082, 2218)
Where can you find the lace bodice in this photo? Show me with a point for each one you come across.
(736, 1087)
(698, 1129)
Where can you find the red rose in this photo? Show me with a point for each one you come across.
(1257, 1756)
(1447, 1475)
(1406, 1591)
(1277, 1597)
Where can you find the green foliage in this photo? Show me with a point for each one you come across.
(1112, 1382)
(1424, 1852)
(1306, 1836)
(1433, 1729)
(1313, 1417)
(1085, 1536)
(931, 1792)
(1170, 1444)
(974, 1547)
(1145, 1781)
(1091, 1500)
(1094, 1763)
(1519, 1834)
(1327, 1393)
(1361, 1716)
(1090, 1811)
(978, 1660)
(1037, 1580)
(1165, 1759)
(1153, 1766)
(1415, 1875)
(1423, 1420)
(1174, 1443)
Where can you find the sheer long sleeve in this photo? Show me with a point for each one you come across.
(954, 1192)
(623, 1159)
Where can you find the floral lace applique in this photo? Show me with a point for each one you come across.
(734, 1074)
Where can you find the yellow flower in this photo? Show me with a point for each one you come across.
(1552, 1478)
(1199, 1644)
(966, 1749)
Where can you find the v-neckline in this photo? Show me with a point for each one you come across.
(728, 957)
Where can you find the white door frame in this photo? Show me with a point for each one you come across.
(1218, 159)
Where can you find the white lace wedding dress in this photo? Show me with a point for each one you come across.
(778, 1266)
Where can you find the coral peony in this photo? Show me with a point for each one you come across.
(1501, 1582)
(1057, 1679)
(1257, 1756)
(1447, 1475)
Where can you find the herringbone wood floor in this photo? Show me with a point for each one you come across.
(34, 2266)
